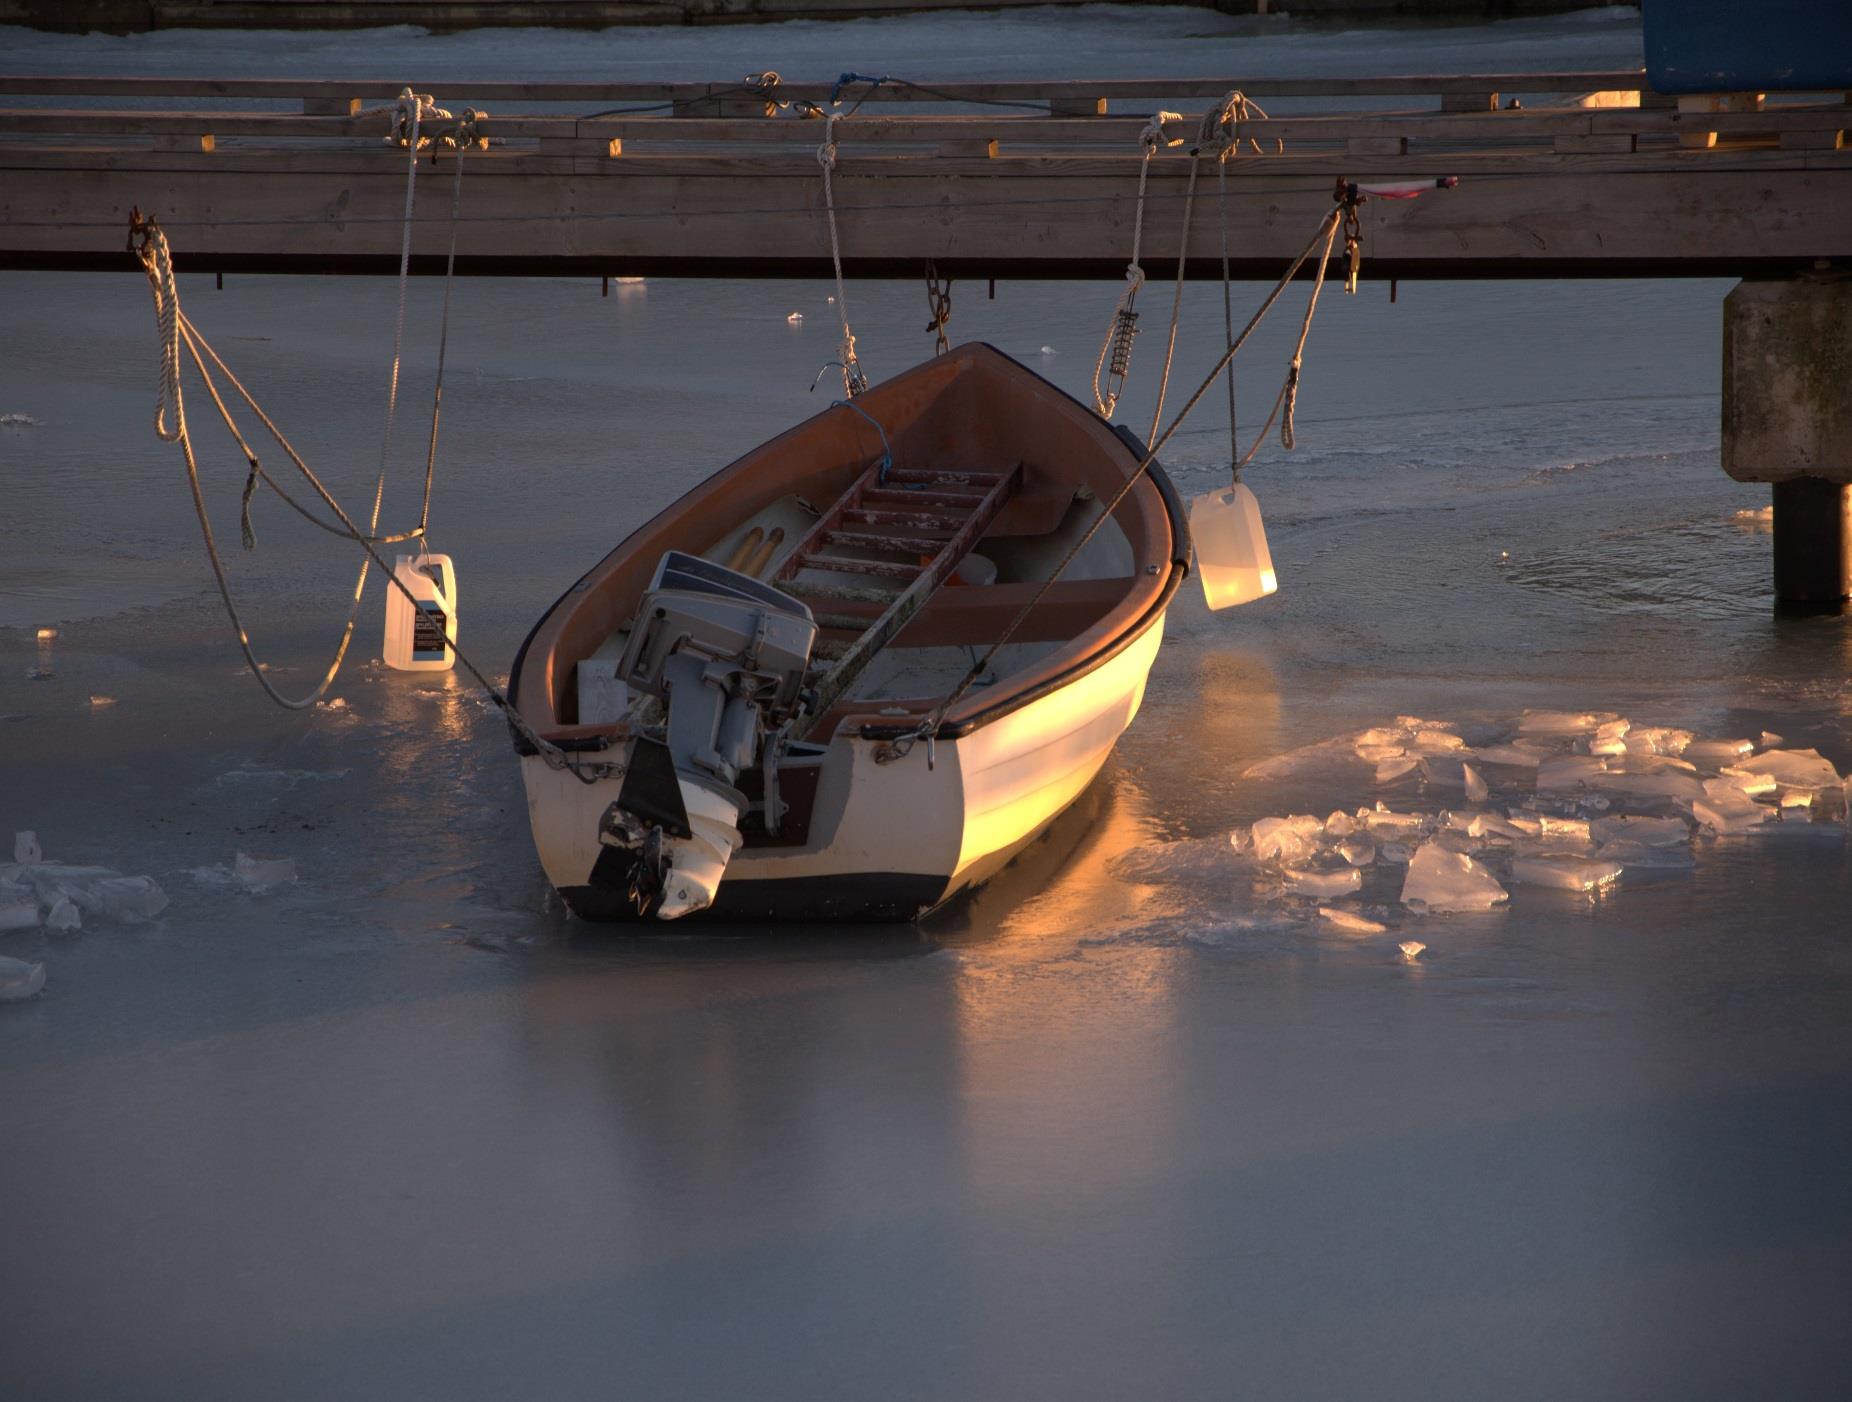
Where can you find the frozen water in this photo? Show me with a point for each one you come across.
(1476, 790)
(1565, 873)
(1713, 754)
(1647, 856)
(1565, 772)
(1286, 840)
(26, 848)
(63, 916)
(1793, 769)
(1730, 811)
(1358, 850)
(1517, 755)
(99, 891)
(1389, 770)
(1438, 741)
(1439, 880)
(1654, 832)
(1324, 884)
(1649, 786)
(1657, 740)
(1560, 722)
(18, 979)
(1350, 922)
(18, 911)
(1395, 853)
(261, 875)
(1732, 780)
(1411, 950)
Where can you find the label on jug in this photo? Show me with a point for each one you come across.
(428, 641)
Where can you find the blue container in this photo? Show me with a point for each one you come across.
(1695, 46)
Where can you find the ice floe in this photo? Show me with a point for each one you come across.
(1565, 800)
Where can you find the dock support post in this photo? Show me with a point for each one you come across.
(1787, 420)
(1813, 543)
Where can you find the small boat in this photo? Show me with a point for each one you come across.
(742, 707)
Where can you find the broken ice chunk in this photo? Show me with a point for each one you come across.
(1731, 777)
(1390, 770)
(1339, 824)
(1563, 772)
(1559, 722)
(1395, 853)
(1277, 839)
(1715, 753)
(1519, 756)
(18, 912)
(1350, 922)
(1657, 740)
(1794, 769)
(63, 916)
(1380, 821)
(261, 875)
(1376, 754)
(26, 848)
(1381, 737)
(18, 979)
(1654, 832)
(1565, 873)
(1770, 740)
(1438, 741)
(1411, 950)
(1439, 880)
(1476, 790)
(1358, 850)
(130, 899)
(1630, 852)
(1324, 884)
(1666, 786)
(1731, 811)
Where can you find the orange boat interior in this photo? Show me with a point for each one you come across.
(972, 411)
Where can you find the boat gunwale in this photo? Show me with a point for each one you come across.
(852, 720)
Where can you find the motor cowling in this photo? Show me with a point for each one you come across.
(726, 655)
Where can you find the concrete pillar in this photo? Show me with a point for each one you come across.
(1787, 420)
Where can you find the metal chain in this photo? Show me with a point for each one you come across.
(938, 306)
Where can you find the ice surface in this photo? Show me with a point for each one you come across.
(1350, 922)
(1660, 786)
(1411, 950)
(1392, 769)
(1770, 740)
(1324, 884)
(1713, 754)
(64, 916)
(1657, 740)
(1339, 824)
(1438, 741)
(26, 848)
(1564, 772)
(18, 979)
(1358, 850)
(1439, 880)
(1794, 769)
(1565, 873)
(1630, 852)
(99, 891)
(1653, 832)
(261, 875)
(1561, 722)
(18, 911)
(1516, 755)
(1731, 811)
(1395, 853)
(1476, 790)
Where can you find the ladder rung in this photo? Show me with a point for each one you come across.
(840, 564)
(945, 476)
(904, 545)
(839, 593)
(845, 622)
(964, 499)
(910, 520)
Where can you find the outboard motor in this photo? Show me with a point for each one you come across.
(726, 655)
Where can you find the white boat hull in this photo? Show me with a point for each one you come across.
(889, 837)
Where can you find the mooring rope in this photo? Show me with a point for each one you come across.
(1116, 350)
(853, 380)
(928, 728)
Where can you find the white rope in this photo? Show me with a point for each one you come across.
(167, 326)
(1120, 332)
(853, 380)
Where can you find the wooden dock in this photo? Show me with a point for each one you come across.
(998, 179)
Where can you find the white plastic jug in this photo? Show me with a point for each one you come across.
(1231, 547)
(421, 636)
